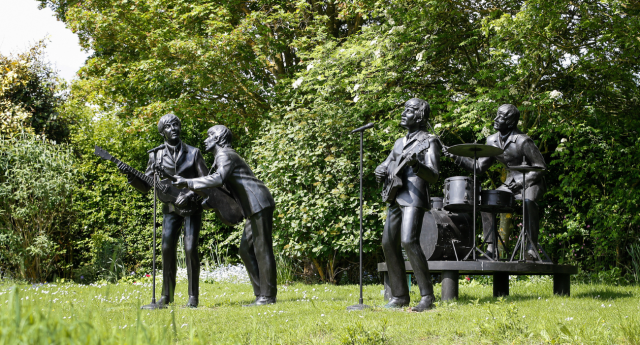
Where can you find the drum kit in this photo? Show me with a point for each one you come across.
(447, 225)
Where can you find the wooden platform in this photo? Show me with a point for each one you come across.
(501, 271)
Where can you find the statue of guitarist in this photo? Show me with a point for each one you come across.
(414, 163)
(176, 158)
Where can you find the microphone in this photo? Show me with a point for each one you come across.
(361, 129)
(161, 147)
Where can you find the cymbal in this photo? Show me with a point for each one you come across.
(474, 150)
(525, 168)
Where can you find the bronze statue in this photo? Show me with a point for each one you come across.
(256, 246)
(414, 163)
(175, 158)
(518, 147)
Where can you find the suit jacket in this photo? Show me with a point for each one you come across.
(188, 163)
(234, 173)
(516, 146)
(415, 179)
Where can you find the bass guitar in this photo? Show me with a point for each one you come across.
(216, 199)
(393, 183)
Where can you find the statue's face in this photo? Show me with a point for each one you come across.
(171, 131)
(210, 142)
(501, 122)
(410, 118)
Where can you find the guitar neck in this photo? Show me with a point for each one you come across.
(143, 177)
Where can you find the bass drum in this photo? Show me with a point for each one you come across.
(441, 230)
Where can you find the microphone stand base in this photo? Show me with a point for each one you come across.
(358, 307)
(153, 306)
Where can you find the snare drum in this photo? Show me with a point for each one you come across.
(496, 201)
(458, 191)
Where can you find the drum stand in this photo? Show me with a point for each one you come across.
(475, 214)
(524, 238)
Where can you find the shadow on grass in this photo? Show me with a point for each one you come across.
(603, 294)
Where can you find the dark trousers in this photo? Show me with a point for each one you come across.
(402, 230)
(489, 222)
(171, 230)
(256, 251)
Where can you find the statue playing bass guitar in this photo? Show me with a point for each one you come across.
(175, 158)
(414, 163)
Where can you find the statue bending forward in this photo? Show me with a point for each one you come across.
(418, 155)
(256, 246)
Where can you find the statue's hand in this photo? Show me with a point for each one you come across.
(381, 174)
(183, 199)
(180, 182)
(448, 154)
(412, 159)
(123, 168)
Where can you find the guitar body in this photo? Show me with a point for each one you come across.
(393, 182)
(168, 194)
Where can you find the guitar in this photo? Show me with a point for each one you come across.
(393, 183)
(215, 199)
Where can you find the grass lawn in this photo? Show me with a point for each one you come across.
(110, 314)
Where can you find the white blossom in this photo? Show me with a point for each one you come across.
(373, 42)
(419, 56)
(485, 131)
(555, 94)
(297, 83)
(438, 125)
(377, 53)
(563, 140)
(356, 98)
(473, 82)
(309, 67)
(355, 88)
(526, 103)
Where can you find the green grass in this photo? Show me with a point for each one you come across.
(310, 314)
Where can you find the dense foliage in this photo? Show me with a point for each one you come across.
(37, 183)
(30, 93)
(291, 78)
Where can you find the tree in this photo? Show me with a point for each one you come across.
(30, 92)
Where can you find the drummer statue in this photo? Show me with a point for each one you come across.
(519, 150)
(414, 163)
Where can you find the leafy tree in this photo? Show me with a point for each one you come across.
(30, 92)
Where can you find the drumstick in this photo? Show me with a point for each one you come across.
(437, 137)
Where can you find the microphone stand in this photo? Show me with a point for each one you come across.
(360, 305)
(153, 305)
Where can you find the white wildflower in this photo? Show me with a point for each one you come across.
(373, 42)
(297, 83)
(377, 53)
(473, 82)
(355, 88)
(526, 103)
(438, 125)
(563, 140)
(513, 91)
(555, 94)
(419, 56)
(391, 21)
(356, 98)
(485, 131)
(309, 67)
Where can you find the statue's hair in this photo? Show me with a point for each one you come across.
(424, 111)
(168, 118)
(223, 135)
(512, 113)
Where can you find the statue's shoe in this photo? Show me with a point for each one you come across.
(426, 303)
(192, 303)
(264, 300)
(253, 304)
(397, 303)
(164, 300)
